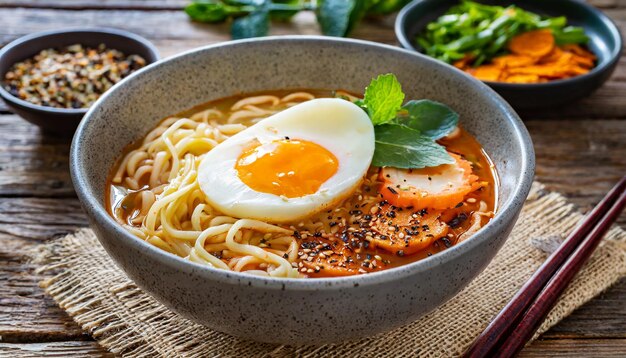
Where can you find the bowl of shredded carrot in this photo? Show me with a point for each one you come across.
(534, 53)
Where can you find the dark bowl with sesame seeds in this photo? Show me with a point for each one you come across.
(51, 78)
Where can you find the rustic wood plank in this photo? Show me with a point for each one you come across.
(544, 348)
(606, 348)
(27, 314)
(579, 158)
(604, 316)
(54, 349)
(145, 5)
(32, 164)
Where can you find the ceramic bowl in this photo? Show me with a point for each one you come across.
(605, 42)
(296, 311)
(63, 121)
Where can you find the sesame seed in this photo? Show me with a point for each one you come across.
(471, 200)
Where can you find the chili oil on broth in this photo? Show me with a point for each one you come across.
(145, 198)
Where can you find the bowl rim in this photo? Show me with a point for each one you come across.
(616, 52)
(506, 213)
(95, 30)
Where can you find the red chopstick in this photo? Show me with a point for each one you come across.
(511, 314)
(548, 297)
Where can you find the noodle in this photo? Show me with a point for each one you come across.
(176, 218)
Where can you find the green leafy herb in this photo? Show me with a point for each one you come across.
(213, 11)
(399, 146)
(432, 119)
(383, 98)
(336, 17)
(255, 24)
(285, 15)
(406, 135)
(483, 31)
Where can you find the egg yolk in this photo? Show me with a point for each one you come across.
(291, 168)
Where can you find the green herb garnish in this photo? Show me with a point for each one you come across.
(383, 98)
(252, 17)
(483, 31)
(406, 135)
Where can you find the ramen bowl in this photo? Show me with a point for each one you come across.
(311, 310)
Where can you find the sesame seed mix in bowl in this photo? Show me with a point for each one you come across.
(70, 77)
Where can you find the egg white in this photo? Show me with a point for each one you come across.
(338, 125)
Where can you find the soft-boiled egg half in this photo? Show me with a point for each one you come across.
(291, 165)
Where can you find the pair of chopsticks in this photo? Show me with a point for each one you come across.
(518, 321)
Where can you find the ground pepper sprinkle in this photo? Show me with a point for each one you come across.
(71, 77)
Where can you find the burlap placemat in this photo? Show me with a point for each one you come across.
(86, 284)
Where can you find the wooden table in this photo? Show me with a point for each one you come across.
(581, 152)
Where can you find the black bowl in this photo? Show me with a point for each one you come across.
(61, 120)
(605, 42)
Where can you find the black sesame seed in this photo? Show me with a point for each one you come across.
(457, 220)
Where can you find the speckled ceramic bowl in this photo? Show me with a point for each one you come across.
(296, 311)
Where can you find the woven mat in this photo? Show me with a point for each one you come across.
(127, 321)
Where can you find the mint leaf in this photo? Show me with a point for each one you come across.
(383, 98)
(334, 16)
(399, 146)
(256, 24)
(430, 118)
